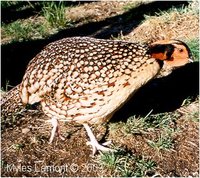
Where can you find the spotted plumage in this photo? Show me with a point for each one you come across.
(86, 80)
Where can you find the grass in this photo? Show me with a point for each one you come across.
(195, 116)
(176, 23)
(3, 163)
(135, 126)
(20, 31)
(165, 123)
(55, 14)
(194, 47)
(6, 4)
(143, 166)
(142, 125)
(11, 121)
(119, 163)
(18, 146)
(131, 5)
(187, 101)
(7, 86)
(124, 164)
(191, 109)
(50, 20)
(162, 143)
(19, 5)
(161, 120)
(109, 160)
(157, 129)
(172, 12)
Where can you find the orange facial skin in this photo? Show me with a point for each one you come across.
(173, 52)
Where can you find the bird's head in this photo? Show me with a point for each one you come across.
(173, 53)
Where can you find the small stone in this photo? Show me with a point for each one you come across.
(25, 130)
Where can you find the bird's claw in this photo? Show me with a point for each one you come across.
(61, 137)
(96, 146)
(107, 143)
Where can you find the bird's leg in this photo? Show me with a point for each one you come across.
(94, 143)
(55, 129)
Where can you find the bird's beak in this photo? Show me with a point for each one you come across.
(190, 60)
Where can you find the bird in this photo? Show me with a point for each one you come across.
(86, 80)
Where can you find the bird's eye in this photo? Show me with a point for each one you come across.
(180, 50)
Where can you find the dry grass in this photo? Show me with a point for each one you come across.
(182, 24)
(85, 13)
(38, 27)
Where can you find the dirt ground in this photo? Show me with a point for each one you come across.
(25, 150)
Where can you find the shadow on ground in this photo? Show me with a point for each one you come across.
(16, 55)
(163, 94)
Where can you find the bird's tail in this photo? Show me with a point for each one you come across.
(11, 106)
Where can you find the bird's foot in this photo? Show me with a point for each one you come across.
(98, 147)
(94, 143)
